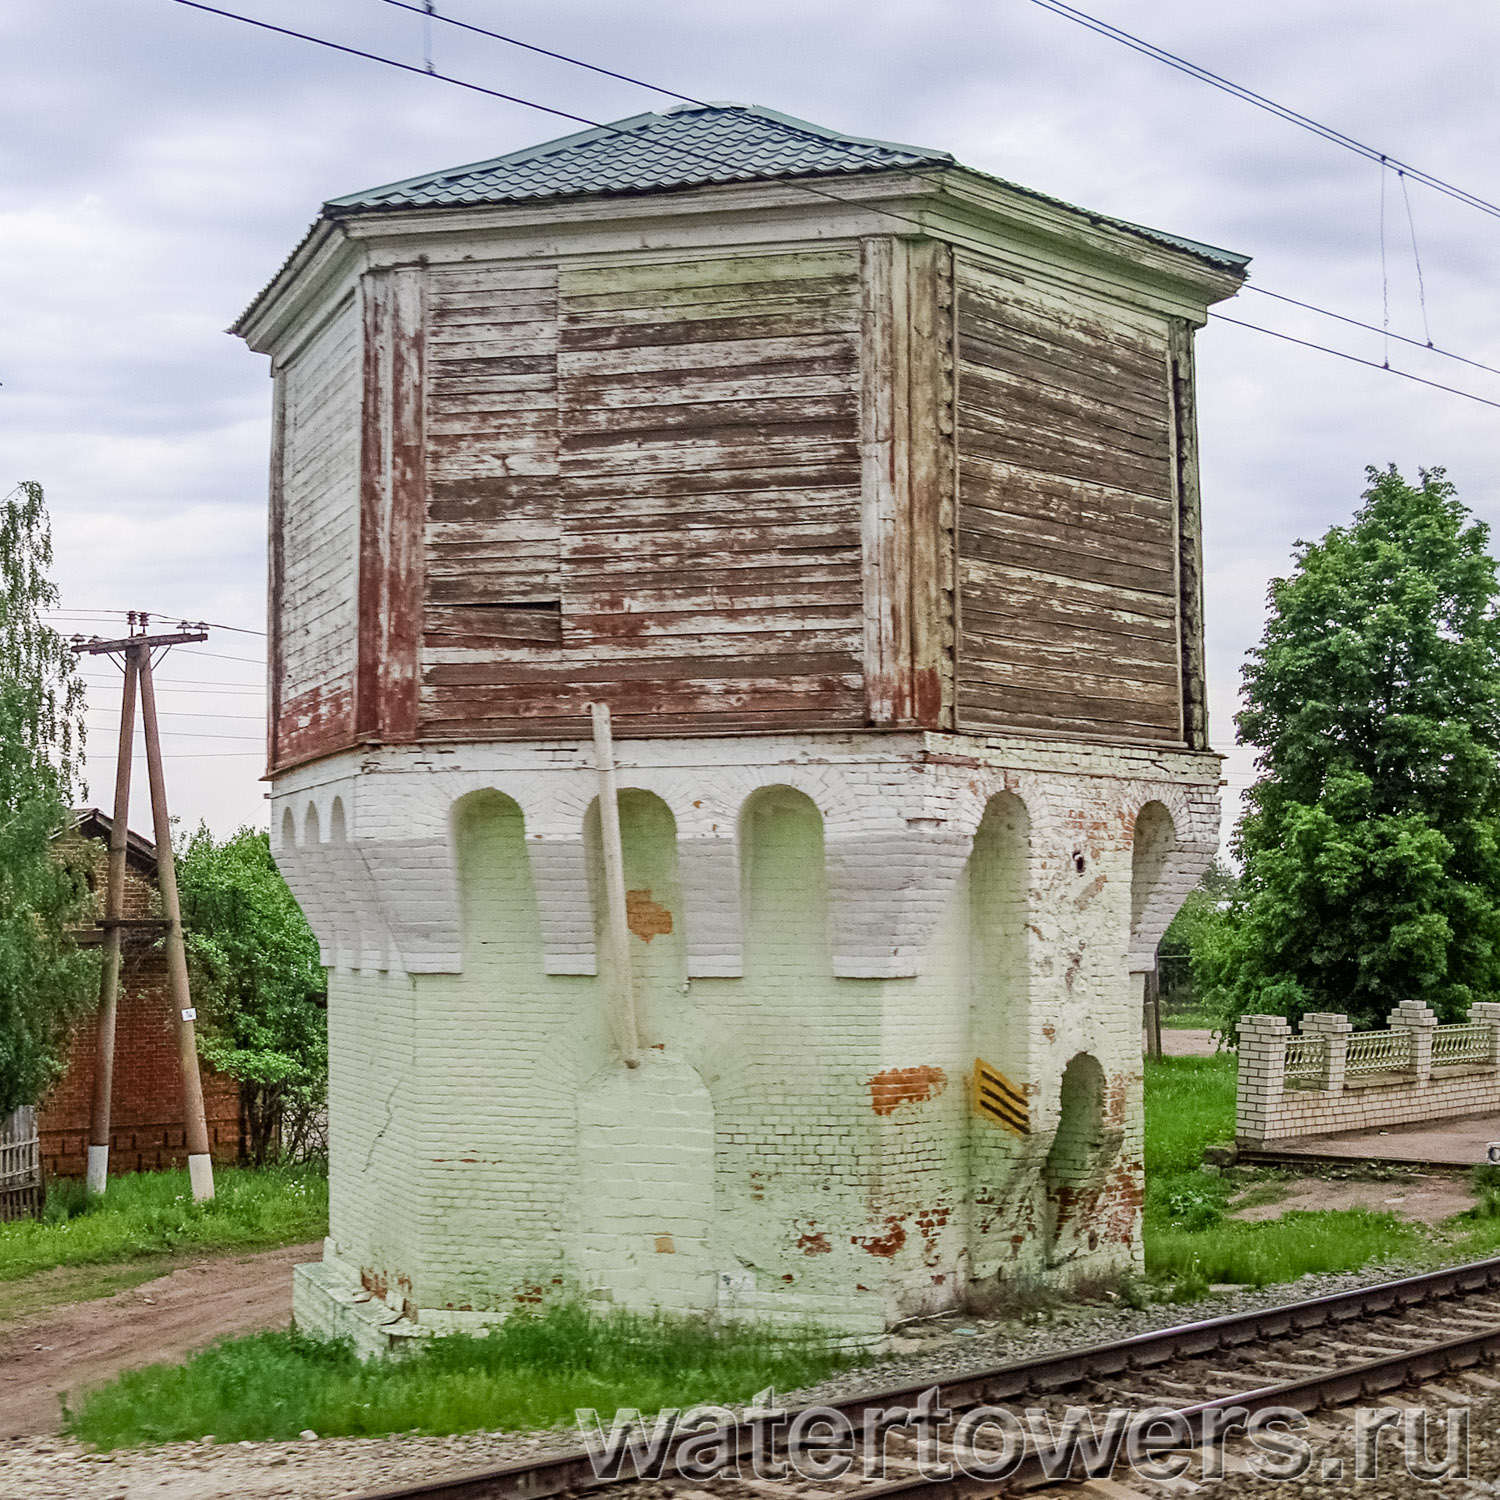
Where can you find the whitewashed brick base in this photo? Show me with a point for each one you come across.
(817, 974)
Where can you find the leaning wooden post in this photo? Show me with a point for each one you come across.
(616, 969)
(114, 912)
(200, 1162)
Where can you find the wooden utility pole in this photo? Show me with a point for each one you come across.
(114, 911)
(1153, 1011)
(616, 969)
(136, 649)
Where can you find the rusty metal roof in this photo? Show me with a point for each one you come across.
(689, 146)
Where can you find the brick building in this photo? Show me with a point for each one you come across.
(863, 488)
(146, 1120)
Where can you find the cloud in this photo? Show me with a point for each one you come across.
(157, 164)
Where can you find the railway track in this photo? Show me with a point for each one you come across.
(1305, 1356)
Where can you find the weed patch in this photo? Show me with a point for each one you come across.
(532, 1371)
(152, 1214)
(1191, 1244)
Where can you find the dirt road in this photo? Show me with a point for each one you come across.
(83, 1343)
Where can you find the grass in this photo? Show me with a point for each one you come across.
(1190, 1243)
(152, 1214)
(532, 1371)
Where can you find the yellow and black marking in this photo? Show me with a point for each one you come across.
(998, 1098)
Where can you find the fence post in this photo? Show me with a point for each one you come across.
(1334, 1029)
(1418, 1019)
(1487, 1012)
(1262, 1077)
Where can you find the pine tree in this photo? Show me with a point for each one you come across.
(1371, 840)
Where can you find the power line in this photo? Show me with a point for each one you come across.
(1355, 359)
(188, 686)
(514, 41)
(193, 734)
(155, 614)
(834, 197)
(255, 661)
(1430, 347)
(721, 163)
(390, 62)
(188, 713)
(186, 754)
(1260, 101)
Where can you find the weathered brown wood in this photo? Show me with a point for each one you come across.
(375, 418)
(710, 515)
(276, 574)
(1067, 515)
(886, 509)
(1189, 536)
(405, 551)
(492, 525)
(393, 502)
(315, 542)
(927, 458)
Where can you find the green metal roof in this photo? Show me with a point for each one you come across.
(689, 146)
(693, 145)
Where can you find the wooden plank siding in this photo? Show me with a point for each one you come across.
(493, 590)
(315, 543)
(1067, 517)
(645, 489)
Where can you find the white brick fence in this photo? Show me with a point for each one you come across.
(1330, 1078)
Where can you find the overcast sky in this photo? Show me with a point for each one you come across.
(158, 163)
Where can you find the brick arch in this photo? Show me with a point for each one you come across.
(490, 854)
(653, 885)
(311, 834)
(1171, 845)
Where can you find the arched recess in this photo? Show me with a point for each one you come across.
(653, 905)
(348, 918)
(783, 882)
(310, 835)
(999, 964)
(1154, 840)
(288, 830)
(498, 923)
(1000, 1029)
(1083, 1149)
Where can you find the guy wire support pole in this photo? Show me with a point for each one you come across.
(615, 971)
(137, 648)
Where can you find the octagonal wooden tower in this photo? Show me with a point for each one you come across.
(862, 487)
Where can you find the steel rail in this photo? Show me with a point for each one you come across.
(574, 1471)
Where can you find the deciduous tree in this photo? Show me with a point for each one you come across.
(45, 979)
(1371, 840)
(259, 987)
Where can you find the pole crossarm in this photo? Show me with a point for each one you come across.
(97, 647)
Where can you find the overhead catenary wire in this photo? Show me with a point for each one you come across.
(1355, 359)
(1414, 172)
(1260, 101)
(1416, 256)
(432, 14)
(1326, 312)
